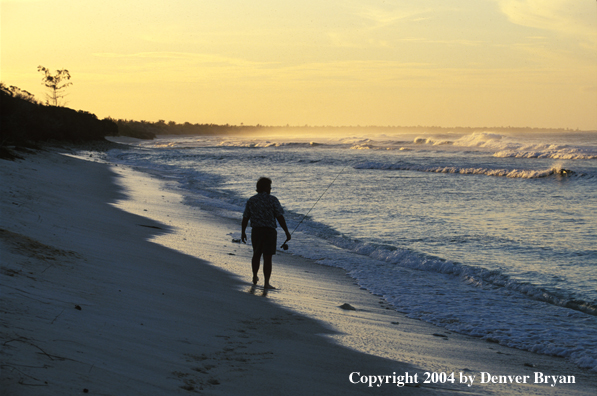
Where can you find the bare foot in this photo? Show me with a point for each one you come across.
(268, 286)
(255, 279)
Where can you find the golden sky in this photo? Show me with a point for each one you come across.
(317, 62)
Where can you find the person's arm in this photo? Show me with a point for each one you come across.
(282, 222)
(243, 235)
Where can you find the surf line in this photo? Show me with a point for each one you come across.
(284, 245)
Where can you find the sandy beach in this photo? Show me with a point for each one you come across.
(110, 285)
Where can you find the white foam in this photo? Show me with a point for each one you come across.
(447, 294)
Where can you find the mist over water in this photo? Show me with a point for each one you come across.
(490, 234)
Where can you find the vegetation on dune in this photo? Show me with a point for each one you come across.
(149, 130)
(25, 121)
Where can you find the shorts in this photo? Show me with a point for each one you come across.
(264, 240)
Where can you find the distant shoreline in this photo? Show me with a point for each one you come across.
(150, 130)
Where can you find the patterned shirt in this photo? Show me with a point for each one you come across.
(263, 209)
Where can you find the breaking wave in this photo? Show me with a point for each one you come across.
(515, 147)
(476, 276)
(432, 141)
(512, 173)
(553, 153)
(266, 144)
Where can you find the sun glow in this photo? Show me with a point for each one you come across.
(414, 62)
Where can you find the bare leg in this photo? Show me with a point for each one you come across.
(255, 266)
(267, 270)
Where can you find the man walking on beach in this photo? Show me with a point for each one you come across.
(263, 209)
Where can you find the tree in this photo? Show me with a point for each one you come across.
(56, 83)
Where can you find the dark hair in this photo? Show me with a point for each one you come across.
(264, 185)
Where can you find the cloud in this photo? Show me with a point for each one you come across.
(382, 18)
(570, 17)
(183, 56)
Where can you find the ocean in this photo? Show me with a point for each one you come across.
(489, 234)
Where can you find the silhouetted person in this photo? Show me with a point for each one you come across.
(263, 210)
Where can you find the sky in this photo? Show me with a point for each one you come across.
(317, 62)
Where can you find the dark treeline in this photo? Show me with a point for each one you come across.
(25, 121)
(149, 130)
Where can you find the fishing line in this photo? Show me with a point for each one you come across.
(284, 245)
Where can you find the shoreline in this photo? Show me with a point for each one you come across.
(86, 234)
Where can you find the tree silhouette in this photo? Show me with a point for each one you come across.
(56, 83)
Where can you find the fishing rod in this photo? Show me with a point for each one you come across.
(284, 245)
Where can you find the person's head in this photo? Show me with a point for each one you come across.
(264, 185)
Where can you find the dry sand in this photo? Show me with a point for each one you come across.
(111, 286)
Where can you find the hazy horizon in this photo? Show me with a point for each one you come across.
(380, 128)
(525, 63)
